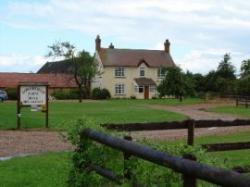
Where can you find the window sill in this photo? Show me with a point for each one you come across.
(120, 94)
(120, 77)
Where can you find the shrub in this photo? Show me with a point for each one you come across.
(98, 93)
(133, 97)
(12, 93)
(143, 172)
(66, 94)
(105, 94)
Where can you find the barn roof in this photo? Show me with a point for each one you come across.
(11, 80)
(63, 66)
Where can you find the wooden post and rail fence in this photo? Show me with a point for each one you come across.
(187, 166)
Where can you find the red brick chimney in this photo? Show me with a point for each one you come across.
(97, 43)
(111, 46)
(167, 46)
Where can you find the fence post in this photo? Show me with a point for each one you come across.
(189, 181)
(126, 156)
(246, 102)
(190, 126)
(237, 101)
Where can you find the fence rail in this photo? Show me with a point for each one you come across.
(175, 125)
(190, 169)
(226, 146)
(242, 100)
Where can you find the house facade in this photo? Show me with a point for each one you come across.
(130, 73)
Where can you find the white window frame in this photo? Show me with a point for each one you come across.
(120, 89)
(119, 72)
(142, 69)
(141, 88)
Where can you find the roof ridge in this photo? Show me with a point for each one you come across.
(133, 49)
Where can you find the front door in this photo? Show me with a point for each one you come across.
(146, 92)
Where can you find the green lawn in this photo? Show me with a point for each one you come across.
(50, 170)
(233, 158)
(241, 110)
(112, 111)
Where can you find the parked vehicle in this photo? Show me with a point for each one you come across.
(3, 95)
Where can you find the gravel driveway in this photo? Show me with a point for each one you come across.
(196, 112)
(21, 142)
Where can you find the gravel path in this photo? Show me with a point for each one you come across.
(196, 112)
(17, 143)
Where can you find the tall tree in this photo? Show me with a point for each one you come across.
(84, 67)
(226, 69)
(245, 68)
(173, 84)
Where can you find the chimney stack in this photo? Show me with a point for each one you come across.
(97, 43)
(111, 46)
(167, 46)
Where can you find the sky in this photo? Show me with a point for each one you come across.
(200, 32)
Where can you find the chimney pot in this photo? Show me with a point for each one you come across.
(98, 43)
(167, 46)
(111, 46)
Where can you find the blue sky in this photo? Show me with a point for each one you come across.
(200, 32)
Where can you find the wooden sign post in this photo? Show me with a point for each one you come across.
(32, 94)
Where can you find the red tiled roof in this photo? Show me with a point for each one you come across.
(11, 80)
(132, 57)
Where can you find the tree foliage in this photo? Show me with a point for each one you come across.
(84, 67)
(174, 83)
(245, 68)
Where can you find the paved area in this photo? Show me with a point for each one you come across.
(17, 143)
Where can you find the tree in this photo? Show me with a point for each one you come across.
(226, 69)
(245, 68)
(243, 84)
(173, 84)
(84, 67)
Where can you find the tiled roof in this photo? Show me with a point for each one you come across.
(144, 81)
(11, 80)
(132, 57)
(63, 66)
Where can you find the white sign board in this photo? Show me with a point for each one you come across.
(33, 95)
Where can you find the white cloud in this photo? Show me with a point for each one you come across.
(215, 26)
(203, 61)
(17, 63)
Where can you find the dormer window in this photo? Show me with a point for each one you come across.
(119, 72)
(142, 71)
(161, 73)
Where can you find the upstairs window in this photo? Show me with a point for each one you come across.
(119, 72)
(161, 73)
(142, 72)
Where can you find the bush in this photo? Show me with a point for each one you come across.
(145, 173)
(133, 97)
(66, 94)
(98, 93)
(12, 93)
